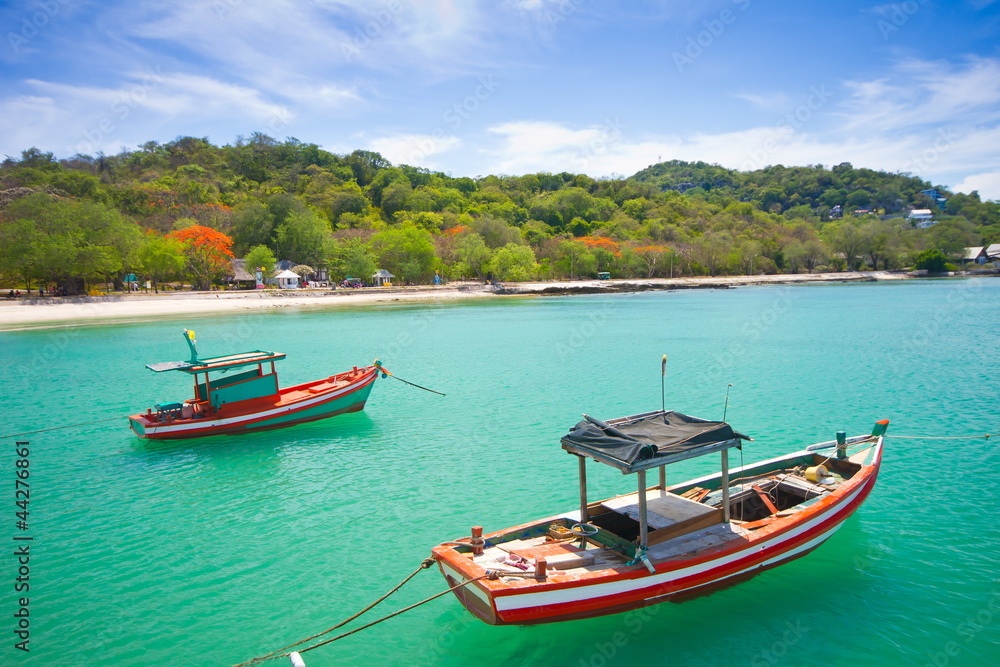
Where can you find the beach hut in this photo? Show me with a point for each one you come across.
(240, 278)
(287, 280)
(382, 278)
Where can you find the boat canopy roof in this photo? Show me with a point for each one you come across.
(649, 440)
(218, 363)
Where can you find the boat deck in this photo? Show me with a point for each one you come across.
(567, 560)
(563, 558)
(302, 391)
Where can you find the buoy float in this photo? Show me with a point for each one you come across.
(816, 473)
(296, 659)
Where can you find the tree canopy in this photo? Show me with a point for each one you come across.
(88, 219)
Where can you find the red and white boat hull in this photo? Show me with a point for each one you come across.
(609, 591)
(293, 405)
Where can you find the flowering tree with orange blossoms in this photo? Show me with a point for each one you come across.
(456, 230)
(208, 253)
(601, 242)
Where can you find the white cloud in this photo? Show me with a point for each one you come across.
(772, 102)
(921, 93)
(987, 184)
(545, 146)
(530, 146)
(934, 120)
(414, 149)
(85, 119)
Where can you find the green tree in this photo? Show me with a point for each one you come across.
(575, 259)
(260, 257)
(71, 242)
(513, 262)
(933, 261)
(805, 255)
(407, 252)
(351, 258)
(253, 225)
(845, 237)
(711, 249)
(471, 249)
(159, 258)
(303, 238)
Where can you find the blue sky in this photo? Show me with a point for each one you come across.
(516, 86)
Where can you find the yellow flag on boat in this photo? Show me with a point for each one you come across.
(190, 334)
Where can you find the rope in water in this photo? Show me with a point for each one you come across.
(56, 428)
(412, 384)
(426, 563)
(985, 436)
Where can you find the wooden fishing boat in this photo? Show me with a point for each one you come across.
(238, 393)
(661, 543)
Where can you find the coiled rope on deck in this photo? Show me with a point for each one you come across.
(426, 563)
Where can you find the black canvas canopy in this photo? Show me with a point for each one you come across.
(651, 439)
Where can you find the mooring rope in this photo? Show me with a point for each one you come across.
(412, 384)
(426, 563)
(985, 436)
(56, 428)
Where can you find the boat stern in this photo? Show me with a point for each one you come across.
(138, 424)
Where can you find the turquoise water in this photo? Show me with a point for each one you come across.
(210, 552)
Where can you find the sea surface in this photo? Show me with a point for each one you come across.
(213, 551)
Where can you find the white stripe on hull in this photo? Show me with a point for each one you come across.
(816, 541)
(599, 590)
(472, 588)
(215, 423)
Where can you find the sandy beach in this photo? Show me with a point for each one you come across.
(33, 313)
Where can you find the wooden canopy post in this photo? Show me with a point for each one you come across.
(643, 523)
(725, 486)
(583, 496)
(663, 478)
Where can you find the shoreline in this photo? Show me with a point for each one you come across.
(42, 313)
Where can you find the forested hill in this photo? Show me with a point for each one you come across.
(780, 189)
(180, 210)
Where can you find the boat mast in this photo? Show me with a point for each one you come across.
(663, 408)
(725, 465)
